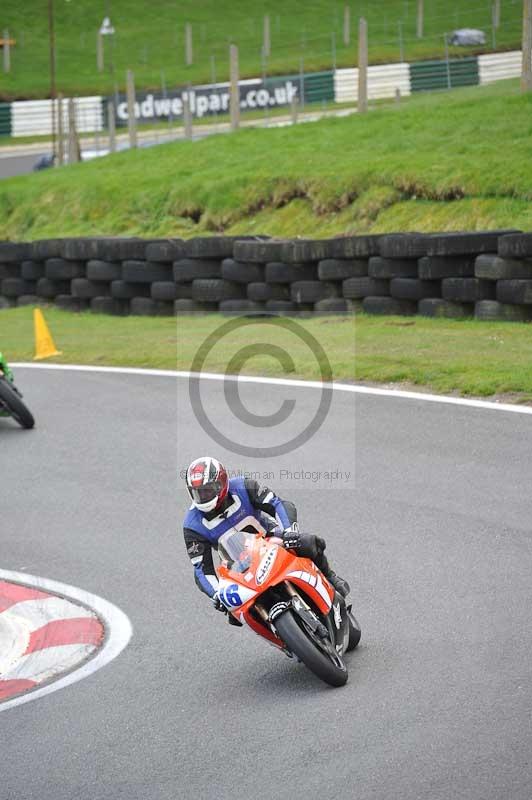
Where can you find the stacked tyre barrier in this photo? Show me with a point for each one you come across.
(487, 275)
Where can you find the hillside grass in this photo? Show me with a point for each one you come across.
(466, 357)
(441, 162)
(150, 37)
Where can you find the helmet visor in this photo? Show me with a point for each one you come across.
(206, 493)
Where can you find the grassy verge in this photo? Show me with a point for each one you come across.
(164, 128)
(469, 358)
(388, 170)
(150, 39)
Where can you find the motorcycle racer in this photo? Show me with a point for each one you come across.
(220, 503)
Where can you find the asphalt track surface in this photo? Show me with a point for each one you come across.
(10, 166)
(435, 536)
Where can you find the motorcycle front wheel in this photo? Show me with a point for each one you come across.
(354, 632)
(15, 406)
(301, 645)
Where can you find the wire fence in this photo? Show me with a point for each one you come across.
(104, 123)
(197, 51)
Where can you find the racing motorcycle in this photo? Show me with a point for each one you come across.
(288, 601)
(11, 404)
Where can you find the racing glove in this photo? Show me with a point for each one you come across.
(217, 603)
(305, 544)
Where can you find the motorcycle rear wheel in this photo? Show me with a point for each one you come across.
(300, 644)
(15, 406)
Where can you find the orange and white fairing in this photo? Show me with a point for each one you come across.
(252, 564)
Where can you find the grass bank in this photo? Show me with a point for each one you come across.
(440, 162)
(150, 39)
(465, 357)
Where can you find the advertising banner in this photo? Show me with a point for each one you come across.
(207, 101)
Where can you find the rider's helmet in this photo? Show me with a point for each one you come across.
(207, 483)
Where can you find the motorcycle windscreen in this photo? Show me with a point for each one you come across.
(236, 548)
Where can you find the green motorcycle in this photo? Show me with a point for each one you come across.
(11, 404)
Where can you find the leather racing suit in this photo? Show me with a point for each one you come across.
(247, 507)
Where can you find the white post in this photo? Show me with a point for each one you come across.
(362, 66)
(189, 55)
(266, 39)
(234, 101)
(419, 26)
(131, 118)
(7, 52)
(347, 25)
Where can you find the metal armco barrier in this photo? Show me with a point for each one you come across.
(426, 75)
(499, 66)
(5, 119)
(27, 118)
(383, 81)
(487, 275)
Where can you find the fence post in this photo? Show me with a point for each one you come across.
(293, 110)
(234, 100)
(131, 119)
(419, 25)
(165, 97)
(264, 70)
(53, 87)
(74, 154)
(60, 134)
(7, 52)
(401, 46)
(99, 52)
(347, 25)
(497, 13)
(111, 124)
(266, 39)
(526, 68)
(189, 55)
(301, 84)
(448, 67)
(333, 49)
(187, 116)
(362, 66)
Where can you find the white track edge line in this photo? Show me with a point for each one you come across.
(117, 625)
(338, 387)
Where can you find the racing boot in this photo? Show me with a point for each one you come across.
(341, 586)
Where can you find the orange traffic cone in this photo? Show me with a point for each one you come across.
(44, 344)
